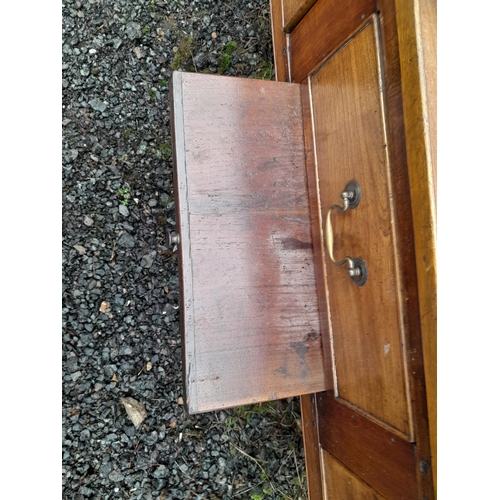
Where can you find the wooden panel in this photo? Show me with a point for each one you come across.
(348, 115)
(249, 306)
(294, 11)
(311, 445)
(381, 458)
(417, 45)
(280, 44)
(342, 484)
(328, 24)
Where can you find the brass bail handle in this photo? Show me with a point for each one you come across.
(356, 268)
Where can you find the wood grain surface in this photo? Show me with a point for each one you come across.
(341, 483)
(250, 318)
(327, 25)
(381, 458)
(366, 322)
(417, 33)
(280, 43)
(294, 11)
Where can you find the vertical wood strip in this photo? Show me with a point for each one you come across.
(417, 46)
(280, 47)
(311, 445)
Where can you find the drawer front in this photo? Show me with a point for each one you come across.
(365, 322)
(249, 307)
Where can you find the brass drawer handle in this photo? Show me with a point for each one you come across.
(356, 268)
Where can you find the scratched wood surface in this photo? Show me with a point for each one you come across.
(250, 320)
(368, 341)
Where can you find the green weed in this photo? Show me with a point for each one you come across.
(225, 59)
(165, 149)
(124, 194)
(266, 71)
(184, 52)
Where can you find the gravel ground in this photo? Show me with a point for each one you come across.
(120, 282)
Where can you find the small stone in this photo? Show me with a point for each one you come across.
(138, 53)
(180, 401)
(92, 51)
(147, 260)
(88, 221)
(73, 154)
(85, 435)
(149, 366)
(161, 472)
(133, 30)
(81, 250)
(214, 35)
(98, 105)
(123, 210)
(109, 370)
(126, 240)
(75, 376)
(104, 306)
(116, 476)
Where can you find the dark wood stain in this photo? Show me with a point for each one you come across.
(250, 302)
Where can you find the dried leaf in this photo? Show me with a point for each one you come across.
(172, 425)
(104, 306)
(180, 401)
(114, 378)
(166, 289)
(74, 412)
(149, 366)
(135, 410)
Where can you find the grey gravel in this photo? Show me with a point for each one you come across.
(118, 200)
(126, 240)
(123, 210)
